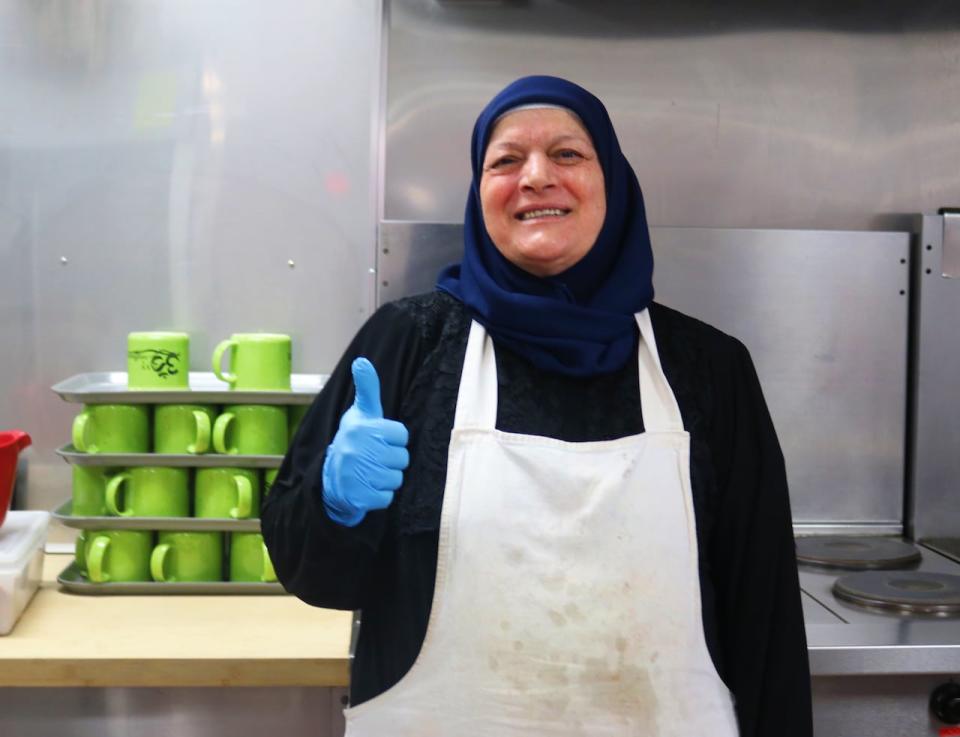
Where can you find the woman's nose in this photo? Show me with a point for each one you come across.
(537, 172)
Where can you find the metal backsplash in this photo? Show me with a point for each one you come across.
(936, 471)
(737, 114)
(200, 166)
(824, 314)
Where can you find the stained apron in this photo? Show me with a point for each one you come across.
(567, 595)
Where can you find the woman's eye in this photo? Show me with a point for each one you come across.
(502, 162)
(568, 154)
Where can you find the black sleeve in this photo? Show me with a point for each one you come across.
(759, 612)
(320, 561)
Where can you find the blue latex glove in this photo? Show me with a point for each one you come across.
(364, 463)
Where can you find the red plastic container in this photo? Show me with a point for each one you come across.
(11, 443)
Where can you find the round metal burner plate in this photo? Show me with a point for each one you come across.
(907, 592)
(850, 551)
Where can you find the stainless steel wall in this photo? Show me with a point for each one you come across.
(199, 165)
(738, 114)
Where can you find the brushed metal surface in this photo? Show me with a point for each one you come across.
(205, 166)
(107, 387)
(741, 114)
(936, 442)
(881, 705)
(825, 321)
(185, 712)
(171, 460)
(950, 263)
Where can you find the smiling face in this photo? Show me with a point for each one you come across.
(542, 190)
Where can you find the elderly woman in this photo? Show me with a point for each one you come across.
(574, 520)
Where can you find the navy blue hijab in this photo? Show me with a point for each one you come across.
(579, 322)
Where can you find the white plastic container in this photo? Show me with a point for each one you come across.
(22, 538)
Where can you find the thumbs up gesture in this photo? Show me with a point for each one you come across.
(364, 463)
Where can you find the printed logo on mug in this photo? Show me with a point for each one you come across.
(158, 360)
(258, 361)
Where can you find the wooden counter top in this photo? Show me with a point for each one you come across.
(67, 639)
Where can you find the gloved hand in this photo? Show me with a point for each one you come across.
(364, 463)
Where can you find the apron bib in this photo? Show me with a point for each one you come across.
(567, 596)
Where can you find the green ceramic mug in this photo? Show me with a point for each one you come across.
(269, 479)
(90, 490)
(150, 491)
(115, 555)
(249, 559)
(297, 413)
(158, 360)
(187, 556)
(112, 428)
(258, 361)
(251, 429)
(227, 493)
(183, 428)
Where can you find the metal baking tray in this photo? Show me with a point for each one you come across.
(204, 460)
(110, 387)
(75, 582)
(64, 515)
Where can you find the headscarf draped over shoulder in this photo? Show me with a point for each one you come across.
(579, 322)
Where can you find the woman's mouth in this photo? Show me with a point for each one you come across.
(545, 212)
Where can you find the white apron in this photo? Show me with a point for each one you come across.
(567, 599)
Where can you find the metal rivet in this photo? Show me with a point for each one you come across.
(291, 264)
(371, 270)
(386, 250)
(929, 247)
(903, 261)
(902, 291)
(63, 260)
(929, 271)
(385, 283)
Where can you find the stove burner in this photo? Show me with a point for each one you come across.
(857, 552)
(905, 593)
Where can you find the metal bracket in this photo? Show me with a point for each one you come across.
(950, 265)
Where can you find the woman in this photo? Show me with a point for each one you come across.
(593, 534)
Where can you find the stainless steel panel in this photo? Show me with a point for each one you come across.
(950, 263)
(936, 450)
(889, 705)
(750, 115)
(824, 314)
(197, 165)
(185, 712)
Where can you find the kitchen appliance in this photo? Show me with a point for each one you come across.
(11, 443)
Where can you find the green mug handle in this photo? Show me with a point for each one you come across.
(220, 434)
(95, 562)
(222, 347)
(244, 498)
(78, 551)
(269, 575)
(158, 559)
(80, 433)
(202, 420)
(113, 488)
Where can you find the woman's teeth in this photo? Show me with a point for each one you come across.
(551, 212)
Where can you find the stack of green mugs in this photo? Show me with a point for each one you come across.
(160, 361)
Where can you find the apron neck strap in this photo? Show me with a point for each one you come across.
(477, 397)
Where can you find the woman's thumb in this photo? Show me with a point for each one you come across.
(367, 385)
